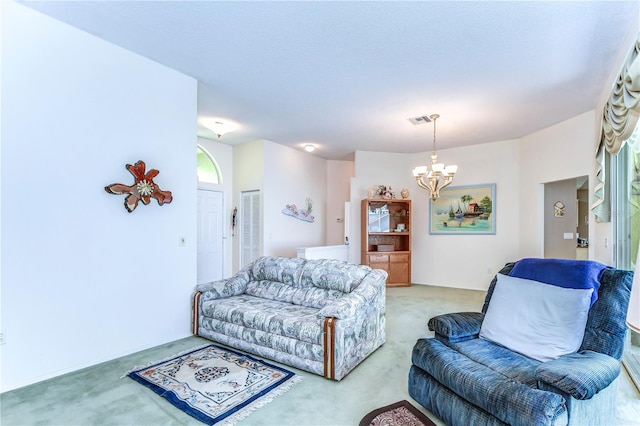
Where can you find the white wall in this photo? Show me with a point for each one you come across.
(464, 261)
(373, 169)
(290, 177)
(83, 281)
(283, 176)
(559, 152)
(248, 175)
(470, 261)
(519, 168)
(339, 174)
(223, 155)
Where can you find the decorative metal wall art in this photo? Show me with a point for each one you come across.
(302, 214)
(143, 189)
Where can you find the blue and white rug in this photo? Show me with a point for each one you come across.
(216, 384)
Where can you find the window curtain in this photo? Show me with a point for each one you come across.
(602, 204)
(619, 119)
(634, 148)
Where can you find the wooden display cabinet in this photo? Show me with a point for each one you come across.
(386, 238)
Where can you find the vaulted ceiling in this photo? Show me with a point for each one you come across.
(347, 76)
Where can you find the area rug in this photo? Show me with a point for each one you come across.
(401, 413)
(215, 385)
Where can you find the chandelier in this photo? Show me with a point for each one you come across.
(439, 176)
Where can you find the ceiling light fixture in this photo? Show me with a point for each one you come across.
(439, 176)
(217, 127)
(309, 147)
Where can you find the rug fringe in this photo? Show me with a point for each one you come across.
(264, 400)
(150, 363)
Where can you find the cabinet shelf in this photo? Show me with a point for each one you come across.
(380, 220)
(390, 233)
(394, 251)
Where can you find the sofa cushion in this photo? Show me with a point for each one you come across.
(506, 270)
(284, 269)
(606, 327)
(497, 358)
(507, 399)
(457, 326)
(567, 273)
(539, 320)
(271, 316)
(581, 375)
(258, 341)
(332, 274)
(306, 296)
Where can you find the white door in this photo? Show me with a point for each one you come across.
(210, 236)
(250, 227)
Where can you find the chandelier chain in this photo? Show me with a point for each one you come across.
(434, 135)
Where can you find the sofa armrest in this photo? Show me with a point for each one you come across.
(457, 327)
(581, 374)
(225, 288)
(368, 292)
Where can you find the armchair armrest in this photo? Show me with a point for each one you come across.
(581, 374)
(370, 289)
(224, 288)
(457, 327)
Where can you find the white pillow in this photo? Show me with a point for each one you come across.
(541, 321)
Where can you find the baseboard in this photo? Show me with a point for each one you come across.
(456, 287)
(632, 365)
(81, 366)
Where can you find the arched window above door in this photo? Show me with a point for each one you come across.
(208, 170)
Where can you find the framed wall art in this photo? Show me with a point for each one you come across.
(464, 210)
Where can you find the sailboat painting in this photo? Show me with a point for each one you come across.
(463, 210)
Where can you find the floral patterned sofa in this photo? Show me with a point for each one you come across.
(324, 316)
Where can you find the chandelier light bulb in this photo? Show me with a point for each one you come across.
(437, 167)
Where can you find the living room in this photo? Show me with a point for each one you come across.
(84, 281)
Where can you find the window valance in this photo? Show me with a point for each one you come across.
(619, 119)
(622, 110)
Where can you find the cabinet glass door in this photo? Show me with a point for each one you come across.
(379, 218)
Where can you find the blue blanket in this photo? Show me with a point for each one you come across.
(582, 274)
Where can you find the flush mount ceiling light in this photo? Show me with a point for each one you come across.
(439, 176)
(217, 126)
(309, 147)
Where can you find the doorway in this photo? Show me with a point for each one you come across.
(210, 236)
(566, 218)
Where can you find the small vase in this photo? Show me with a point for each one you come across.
(404, 193)
(371, 192)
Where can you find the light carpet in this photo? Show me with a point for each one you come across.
(97, 396)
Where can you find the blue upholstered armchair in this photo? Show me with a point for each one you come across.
(464, 377)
